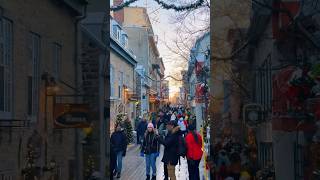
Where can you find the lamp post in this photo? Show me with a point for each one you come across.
(49, 84)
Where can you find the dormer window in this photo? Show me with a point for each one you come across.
(116, 32)
(124, 40)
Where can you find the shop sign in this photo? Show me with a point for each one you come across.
(252, 114)
(71, 115)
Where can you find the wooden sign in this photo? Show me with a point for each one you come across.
(71, 115)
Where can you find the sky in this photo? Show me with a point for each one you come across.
(164, 27)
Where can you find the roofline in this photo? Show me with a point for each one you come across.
(122, 52)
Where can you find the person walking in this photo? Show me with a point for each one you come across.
(141, 129)
(150, 148)
(113, 161)
(119, 143)
(194, 152)
(183, 126)
(170, 156)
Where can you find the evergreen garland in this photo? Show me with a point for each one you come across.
(192, 6)
(126, 124)
(195, 5)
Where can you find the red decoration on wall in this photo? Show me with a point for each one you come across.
(199, 66)
(200, 93)
(281, 21)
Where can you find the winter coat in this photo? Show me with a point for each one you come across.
(150, 144)
(173, 117)
(113, 160)
(142, 127)
(182, 124)
(119, 141)
(170, 155)
(194, 149)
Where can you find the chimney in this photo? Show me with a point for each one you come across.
(118, 15)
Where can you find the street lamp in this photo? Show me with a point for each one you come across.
(50, 84)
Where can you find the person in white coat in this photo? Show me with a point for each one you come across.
(183, 125)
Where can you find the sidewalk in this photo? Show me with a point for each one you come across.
(134, 166)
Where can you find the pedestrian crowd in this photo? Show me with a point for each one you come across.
(172, 127)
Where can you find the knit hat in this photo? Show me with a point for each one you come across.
(150, 125)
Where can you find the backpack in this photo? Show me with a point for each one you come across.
(182, 147)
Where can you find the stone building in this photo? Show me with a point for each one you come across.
(38, 52)
(122, 70)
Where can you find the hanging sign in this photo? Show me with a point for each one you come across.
(252, 114)
(71, 115)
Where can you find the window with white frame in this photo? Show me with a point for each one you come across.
(111, 81)
(114, 31)
(6, 66)
(118, 34)
(35, 78)
(125, 40)
(57, 56)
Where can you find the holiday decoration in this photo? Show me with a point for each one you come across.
(126, 124)
(164, 5)
(128, 129)
(90, 166)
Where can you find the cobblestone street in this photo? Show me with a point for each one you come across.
(134, 166)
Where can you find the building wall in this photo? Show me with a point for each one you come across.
(136, 16)
(60, 142)
(120, 65)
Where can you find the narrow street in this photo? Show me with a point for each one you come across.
(134, 166)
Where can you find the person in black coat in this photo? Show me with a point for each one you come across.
(170, 156)
(113, 161)
(141, 129)
(119, 143)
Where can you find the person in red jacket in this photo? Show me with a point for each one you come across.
(194, 152)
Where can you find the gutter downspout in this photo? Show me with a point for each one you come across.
(78, 147)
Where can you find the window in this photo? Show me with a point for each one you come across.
(35, 60)
(118, 34)
(227, 91)
(30, 102)
(263, 93)
(6, 66)
(298, 161)
(124, 40)
(120, 84)
(265, 154)
(112, 81)
(115, 30)
(127, 80)
(57, 56)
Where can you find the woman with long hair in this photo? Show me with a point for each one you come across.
(194, 152)
(150, 148)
